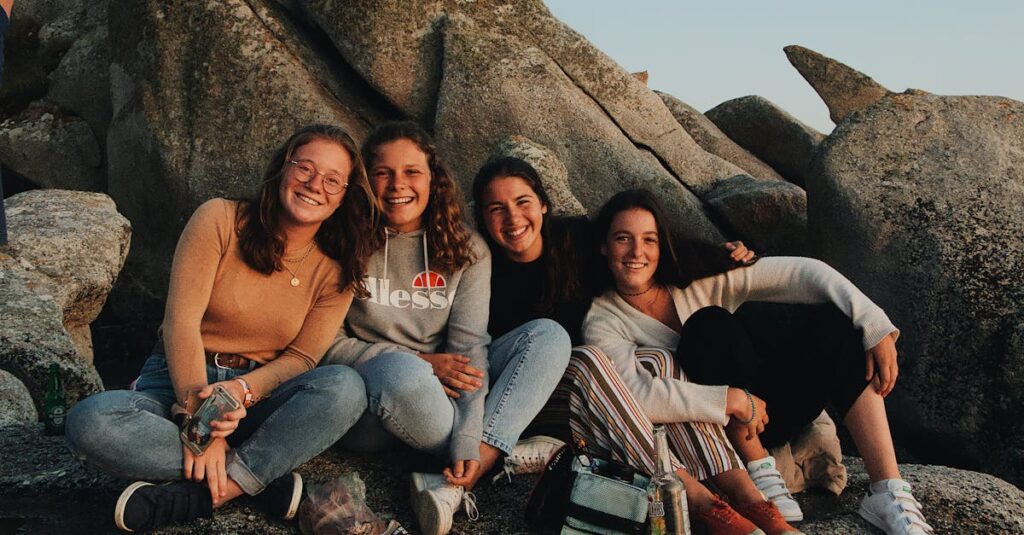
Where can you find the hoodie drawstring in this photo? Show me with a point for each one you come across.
(385, 274)
(426, 258)
(426, 261)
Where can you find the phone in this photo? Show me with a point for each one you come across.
(196, 433)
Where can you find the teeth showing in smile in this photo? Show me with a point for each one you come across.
(307, 200)
(635, 265)
(398, 200)
(515, 233)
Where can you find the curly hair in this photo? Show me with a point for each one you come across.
(447, 236)
(343, 237)
(563, 274)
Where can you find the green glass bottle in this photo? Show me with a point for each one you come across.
(54, 403)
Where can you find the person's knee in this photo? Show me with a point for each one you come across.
(553, 338)
(586, 363)
(89, 427)
(398, 377)
(342, 388)
(710, 319)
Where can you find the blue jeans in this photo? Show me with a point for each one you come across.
(407, 401)
(129, 434)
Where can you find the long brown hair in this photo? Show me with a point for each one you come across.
(447, 236)
(343, 237)
(563, 273)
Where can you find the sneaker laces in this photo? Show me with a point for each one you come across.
(720, 511)
(768, 509)
(531, 462)
(469, 506)
(910, 510)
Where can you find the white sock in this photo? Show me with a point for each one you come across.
(755, 464)
(883, 485)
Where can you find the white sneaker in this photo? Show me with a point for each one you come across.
(769, 481)
(529, 456)
(435, 503)
(895, 511)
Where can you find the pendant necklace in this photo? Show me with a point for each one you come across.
(295, 277)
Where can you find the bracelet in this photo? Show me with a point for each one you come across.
(247, 399)
(753, 408)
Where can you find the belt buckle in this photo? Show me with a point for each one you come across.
(216, 362)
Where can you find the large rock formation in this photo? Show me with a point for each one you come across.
(55, 99)
(52, 150)
(16, 405)
(202, 94)
(917, 198)
(770, 133)
(843, 89)
(482, 72)
(66, 249)
(192, 96)
(712, 139)
(771, 215)
(553, 174)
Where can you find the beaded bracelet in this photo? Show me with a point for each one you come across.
(753, 408)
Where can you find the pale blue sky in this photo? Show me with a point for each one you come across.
(708, 52)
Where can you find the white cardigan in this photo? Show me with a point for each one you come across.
(618, 329)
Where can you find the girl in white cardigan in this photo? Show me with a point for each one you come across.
(645, 303)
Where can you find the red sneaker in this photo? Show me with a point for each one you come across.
(721, 519)
(767, 517)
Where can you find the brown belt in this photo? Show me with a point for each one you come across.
(230, 360)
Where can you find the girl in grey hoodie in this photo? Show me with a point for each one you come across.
(420, 339)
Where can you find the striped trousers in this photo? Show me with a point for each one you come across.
(604, 414)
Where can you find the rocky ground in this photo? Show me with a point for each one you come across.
(43, 490)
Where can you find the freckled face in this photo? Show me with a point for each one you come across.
(514, 215)
(308, 203)
(631, 248)
(400, 178)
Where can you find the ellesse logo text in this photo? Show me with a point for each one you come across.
(422, 297)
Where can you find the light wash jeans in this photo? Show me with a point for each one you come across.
(407, 401)
(129, 434)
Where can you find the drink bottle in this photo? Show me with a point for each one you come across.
(666, 494)
(54, 403)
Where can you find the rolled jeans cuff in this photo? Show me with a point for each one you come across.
(497, 442)
(240, 473)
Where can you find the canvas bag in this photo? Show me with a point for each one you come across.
(581, 493)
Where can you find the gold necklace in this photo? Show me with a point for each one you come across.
(295, 277)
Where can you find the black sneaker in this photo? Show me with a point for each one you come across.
(282, 496)
(144, 506)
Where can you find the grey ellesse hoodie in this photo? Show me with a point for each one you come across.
(414, 309)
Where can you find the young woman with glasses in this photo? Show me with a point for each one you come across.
(257, 292)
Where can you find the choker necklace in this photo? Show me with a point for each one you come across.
(624, 294)
(295, 277)
(643, 308)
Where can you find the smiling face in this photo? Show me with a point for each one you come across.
(307, 203)
(631, 247)
(514, 216)
(400, 178)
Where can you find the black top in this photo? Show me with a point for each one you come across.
(518, 288)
